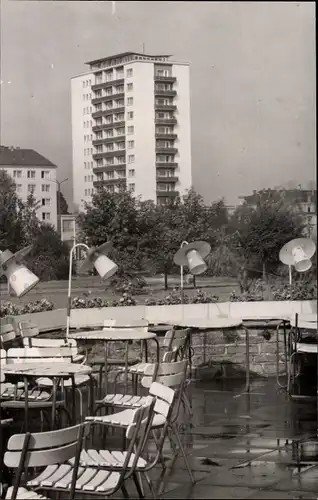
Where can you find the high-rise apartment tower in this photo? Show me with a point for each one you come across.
(131, 126)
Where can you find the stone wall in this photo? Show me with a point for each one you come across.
(223, 353)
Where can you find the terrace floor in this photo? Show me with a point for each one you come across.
(259, 445)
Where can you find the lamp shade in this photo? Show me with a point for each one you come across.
(192, 255)
(195, 262)
(20, 278)
(97, 257)
(298, 253)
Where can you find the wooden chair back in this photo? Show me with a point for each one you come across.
(40, 354)
(3, 358)
(52, 343)
(177, 341)
(28, 329)
(169, 374)
(7, 333)
(42, 449)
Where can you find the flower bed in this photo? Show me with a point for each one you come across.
(10, 309)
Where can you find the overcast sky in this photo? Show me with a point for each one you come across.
(252, 81)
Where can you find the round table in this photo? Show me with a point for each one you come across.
(54, 371)
(218, 323)
(118, 335)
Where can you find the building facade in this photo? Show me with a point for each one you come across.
(131, 127)
(304, 202)
(32, 174)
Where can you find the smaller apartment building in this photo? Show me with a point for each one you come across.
(32, 174)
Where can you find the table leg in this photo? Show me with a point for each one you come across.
(106, 365)
(126, 367)
(247, 358)
(190, 354)
(285, 347)
(283, 323)
(54, 391)
(26, 403)
(73, 400)
(91, 402)
(157, 359)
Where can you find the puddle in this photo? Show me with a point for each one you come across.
(208, 461)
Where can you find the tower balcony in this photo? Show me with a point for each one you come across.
(166, 79)
(105, 85)
(107, 126)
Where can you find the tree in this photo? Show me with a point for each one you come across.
(259, 233)
(27, 215)
(63, 203)
(10, 224)
(49, 258)
(165, 227)
(113, 216)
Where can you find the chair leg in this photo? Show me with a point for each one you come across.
(187, 404)
(176, 433)
(124, 491)
(151, 488)
(161, 457)
(138, 484)
(80, 403)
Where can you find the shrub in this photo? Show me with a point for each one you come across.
(201, 297)
(175, 297)
(37, 306)
(87, 303)
(126, 300)
(296, 291)
(245, 297)
(10, 309)
(135, 286)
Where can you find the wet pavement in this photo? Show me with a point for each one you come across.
(259, 445)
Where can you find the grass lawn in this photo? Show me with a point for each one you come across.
(56, 291)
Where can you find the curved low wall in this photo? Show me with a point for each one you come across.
(81, 318)
(225, 349)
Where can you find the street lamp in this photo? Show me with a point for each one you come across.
(297, 253)
(192, 255)
(58, 202)
(19, 277)
(95, 257)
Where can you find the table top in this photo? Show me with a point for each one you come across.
(208, 323)
(305, 324)
(40, 369)
(268, 318)
(113, 334)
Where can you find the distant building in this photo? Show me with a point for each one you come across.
(68, 229)
(69, 234)
(32, 173)
(230, 209)
(304, 202)
(131, 127)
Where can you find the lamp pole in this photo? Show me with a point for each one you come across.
(181, 272)
(69, 300)
(59, 202)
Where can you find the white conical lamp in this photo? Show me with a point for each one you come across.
(192, 255)
(19, 277)
(97, 257)
(298, 253)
